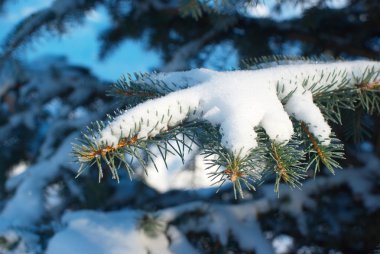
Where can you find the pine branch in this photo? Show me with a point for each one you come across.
(364, 101)
(336, 95)
(263, 62)
(368, 89)
(356, 125)
(173, 125)
(137, 88)
(288, 165)
(196, 8)
(241, 172)
(91, 153)
(323, 154)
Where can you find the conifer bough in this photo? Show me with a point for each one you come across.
(255, 123)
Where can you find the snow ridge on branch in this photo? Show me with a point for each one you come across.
(281, 102)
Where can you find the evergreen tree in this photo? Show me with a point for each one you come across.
(322, 27)
(272, 119)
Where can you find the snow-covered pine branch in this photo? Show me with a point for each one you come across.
(288, 105)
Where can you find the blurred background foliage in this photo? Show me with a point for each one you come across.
(45, 102)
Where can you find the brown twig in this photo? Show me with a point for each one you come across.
(131, 93)
(233, 171)
(313, 142)
(279, 165)
(369, 86)
(103, 151)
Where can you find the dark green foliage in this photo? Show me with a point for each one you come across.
(52, 20)
(197, 8)
(8, 244)
(2, 2)
(169, 26)
(150, 226)
(140, 87)
(377, 250)
(89, 153)
(288, 164)
(368, 89)
(333, 219)
(263, 62)
(242, 172)
(328, 156)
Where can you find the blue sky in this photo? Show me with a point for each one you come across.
(80, 45)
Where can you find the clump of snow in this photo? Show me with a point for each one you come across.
(287, 9)
(303, 109)
(238, 101)
(18, 169)
(283, 244)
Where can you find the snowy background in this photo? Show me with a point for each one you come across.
(56, 86)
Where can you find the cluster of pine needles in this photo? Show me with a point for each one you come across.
(288, 162)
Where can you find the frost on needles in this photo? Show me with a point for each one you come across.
(250, 123)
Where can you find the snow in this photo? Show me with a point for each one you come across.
(18, 169)
(30, 185)
(238, 101)
(283, 244)
(361, 181)
(241, 221)
(116, 232)
(303, 109)
(286, 9)
(34, 201)
(50, 92)
(177, 176)
(105, 233)
(179, 243)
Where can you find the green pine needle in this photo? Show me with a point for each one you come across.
(288, 162)
(319, 154)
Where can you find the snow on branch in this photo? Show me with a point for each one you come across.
(282, 102)
(168, 229)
